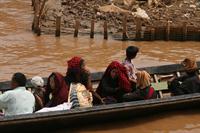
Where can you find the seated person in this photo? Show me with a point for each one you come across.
(114, 83)
(187, 83)
(19, 100)
(144, 89)
(58, 89)
(38, 91)
(77, 73)
(131, 53)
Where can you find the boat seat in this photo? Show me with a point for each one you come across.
(160, 86)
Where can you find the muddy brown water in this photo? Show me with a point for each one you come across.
(21, 50)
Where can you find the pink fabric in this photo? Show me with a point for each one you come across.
(150, 94)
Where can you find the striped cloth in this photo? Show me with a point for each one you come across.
(74, 98)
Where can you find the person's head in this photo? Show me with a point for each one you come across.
(143, 79)
(37, 82)
(55, 81)
(76, 67)
(189, 64)
(52, 82)
(114, 73)
(18, 79)
(131, 52)
(76, 63)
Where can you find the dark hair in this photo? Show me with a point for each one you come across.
(131, 52)
(19, 78)
(77, 75)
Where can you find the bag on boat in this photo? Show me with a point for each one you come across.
(79, 96)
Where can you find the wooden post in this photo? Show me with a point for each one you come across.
(184, 30)
(152, 34)
(105, 27)
(156, 80)
(199, 35)
(36, 16)
(77, 24)
(138, 28)
(168, 30)
(124, 31)
(32, 4)
(58, 23)
(39, 31)
(92, 29)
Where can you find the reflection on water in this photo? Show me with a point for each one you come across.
(20, 50)
(178, 122)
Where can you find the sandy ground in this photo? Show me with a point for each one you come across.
(176, 11)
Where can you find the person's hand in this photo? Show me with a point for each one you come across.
(133, 80)
(102, 100)
(171, 79)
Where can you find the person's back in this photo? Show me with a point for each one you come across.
(131, 53)
(19, 100)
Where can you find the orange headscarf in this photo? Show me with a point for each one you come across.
(143, 79)
(189, 64)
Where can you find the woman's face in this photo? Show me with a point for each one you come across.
(52, 82)
(113, 73)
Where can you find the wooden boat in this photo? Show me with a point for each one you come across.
(102, 113)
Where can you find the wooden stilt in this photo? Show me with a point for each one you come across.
(124, 31)
(138, 28)
(105, 27)
(92, 29)
(36, 16)
(184, 27)
(58, 23)
(77, 24)
(32, 3)
(168, 30)
(39, 31)
(152, 34)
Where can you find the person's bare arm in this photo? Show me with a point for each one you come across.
(94, 93)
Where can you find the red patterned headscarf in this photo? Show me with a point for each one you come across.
(74, 63)
(60, 93)
(124, 82)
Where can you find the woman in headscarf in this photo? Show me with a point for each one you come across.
(188, 82)
(58, 88)
(114, 83)
(144, 90)
(38, 91)
(77, 73)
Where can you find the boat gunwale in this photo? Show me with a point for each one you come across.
(101, 109)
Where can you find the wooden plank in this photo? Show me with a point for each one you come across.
(160, 86)
(156, 80)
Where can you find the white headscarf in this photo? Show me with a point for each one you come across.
(37, 81)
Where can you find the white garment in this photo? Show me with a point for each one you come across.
(17, 101)
(64, 106)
